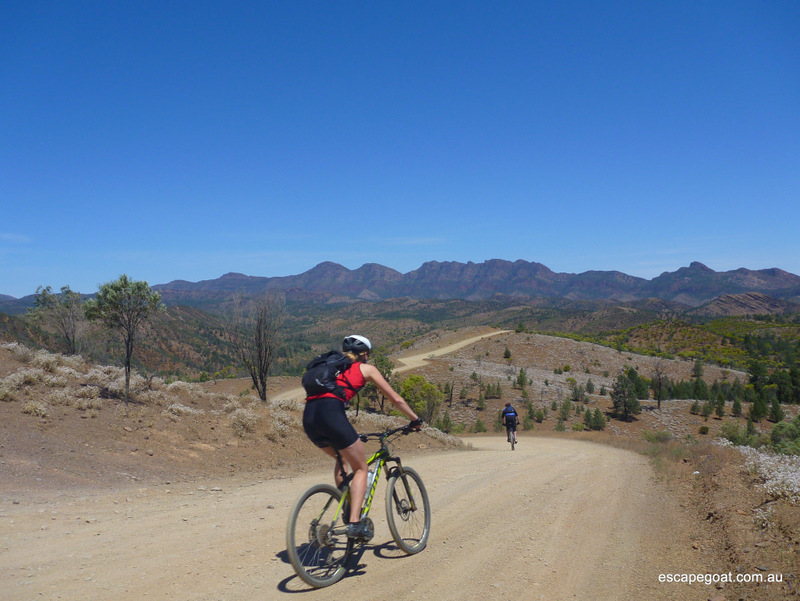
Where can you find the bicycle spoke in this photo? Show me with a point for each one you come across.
(317, 546)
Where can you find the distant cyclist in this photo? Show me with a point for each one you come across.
(510, 420)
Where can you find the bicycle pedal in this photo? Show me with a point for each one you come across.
(362, 532)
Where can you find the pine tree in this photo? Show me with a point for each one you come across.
(598, 420)
(759, 408)
(776, 413)
(522, 378)
(623, 395)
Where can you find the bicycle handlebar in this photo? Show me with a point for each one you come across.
(386, 434)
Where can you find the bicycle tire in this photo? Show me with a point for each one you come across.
(317, 546)
(513, 443)
(410, 528)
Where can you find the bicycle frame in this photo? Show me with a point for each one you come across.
(382, 456)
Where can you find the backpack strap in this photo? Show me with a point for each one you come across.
(347, 383)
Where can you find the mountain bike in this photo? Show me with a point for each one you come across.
(511, 437)
(316, 542)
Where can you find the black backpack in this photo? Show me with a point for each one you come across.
(510, 415)
(321, 372)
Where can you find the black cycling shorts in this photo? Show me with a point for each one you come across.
(512, 427)
(326, 425)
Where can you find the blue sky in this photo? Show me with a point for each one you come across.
(185, 140)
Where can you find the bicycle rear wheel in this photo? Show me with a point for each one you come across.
(408, 511)
(513, 441)
(316, 543)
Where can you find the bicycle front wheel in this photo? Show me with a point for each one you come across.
(316, 543)
(408, 511)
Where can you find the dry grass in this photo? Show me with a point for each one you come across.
(44, 383)
(243, 422)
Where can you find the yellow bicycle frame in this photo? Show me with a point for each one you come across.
(379, 458)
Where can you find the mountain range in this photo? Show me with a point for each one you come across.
(329, 282)
(693, 286)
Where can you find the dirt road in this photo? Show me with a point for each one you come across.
(555, 519)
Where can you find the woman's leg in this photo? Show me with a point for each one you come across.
(356, 458)
(339, 471)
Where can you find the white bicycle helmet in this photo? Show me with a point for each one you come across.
(356, 344)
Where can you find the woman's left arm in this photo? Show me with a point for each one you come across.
(372, 374)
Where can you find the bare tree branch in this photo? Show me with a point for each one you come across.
(254, 328)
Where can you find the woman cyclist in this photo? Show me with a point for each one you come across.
(326, 425)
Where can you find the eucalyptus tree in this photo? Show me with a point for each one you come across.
(123, 306)
(63, 312)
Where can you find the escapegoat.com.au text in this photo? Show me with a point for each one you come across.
(723, 578)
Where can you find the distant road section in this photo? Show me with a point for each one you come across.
(418, 360)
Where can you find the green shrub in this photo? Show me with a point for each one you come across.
(703, 429)
(785, 437)
(657, 436)
(744, 436)
(445, 424)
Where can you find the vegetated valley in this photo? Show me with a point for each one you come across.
(557, 360)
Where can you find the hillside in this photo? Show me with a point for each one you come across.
(189, 342)
(750, 303)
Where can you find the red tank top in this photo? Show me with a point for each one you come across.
(351, 379)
